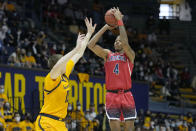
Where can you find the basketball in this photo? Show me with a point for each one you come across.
(110, 18)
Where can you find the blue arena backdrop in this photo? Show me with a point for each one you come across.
(24, 88)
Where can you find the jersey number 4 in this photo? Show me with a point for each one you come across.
(116, 69)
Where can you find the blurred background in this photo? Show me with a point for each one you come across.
(161, 32)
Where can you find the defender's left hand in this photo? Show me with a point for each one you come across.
(90, 26)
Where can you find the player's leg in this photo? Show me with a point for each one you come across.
(129, 125)
(115, 125)
(113, 110)
(129, 111)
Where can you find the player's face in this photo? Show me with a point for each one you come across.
(117, 44)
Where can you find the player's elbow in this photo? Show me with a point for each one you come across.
(133, 54)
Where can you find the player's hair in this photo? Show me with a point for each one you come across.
(53, 60)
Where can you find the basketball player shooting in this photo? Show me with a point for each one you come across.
(120, 105)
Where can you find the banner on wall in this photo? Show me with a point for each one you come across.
(24, 88)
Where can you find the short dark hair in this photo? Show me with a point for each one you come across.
(53, 60)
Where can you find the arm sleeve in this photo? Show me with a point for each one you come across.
(49, 83)
(69, 68)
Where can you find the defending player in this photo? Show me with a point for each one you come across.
(120, 103)
(53, 113)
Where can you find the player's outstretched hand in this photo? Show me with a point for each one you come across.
(118, 15)
(79, 40)
(90, 26)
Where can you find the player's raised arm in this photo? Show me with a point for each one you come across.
(84, 42)
(74, 55)
(98, 50)
(123, 35)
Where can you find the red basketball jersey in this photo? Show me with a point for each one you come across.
(118, 69)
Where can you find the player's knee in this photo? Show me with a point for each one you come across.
(129, 125)
(115, 125)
